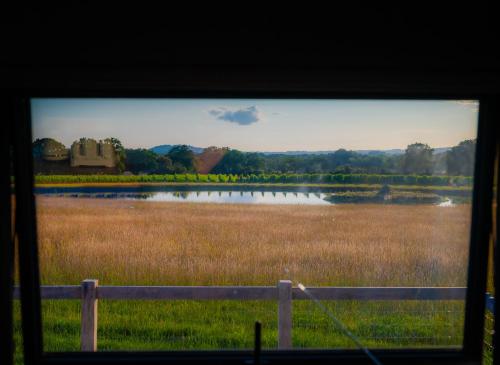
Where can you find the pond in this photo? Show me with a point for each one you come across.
(235, 197)
(238, 195)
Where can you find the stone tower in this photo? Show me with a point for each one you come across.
(88, 152)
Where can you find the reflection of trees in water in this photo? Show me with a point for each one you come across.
(265, 196)
(269, 196)
(138, 196)
(181, 194)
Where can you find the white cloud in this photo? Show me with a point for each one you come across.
(244, 116)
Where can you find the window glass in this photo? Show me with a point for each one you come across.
(335, 223)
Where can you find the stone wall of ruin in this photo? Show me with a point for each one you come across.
(92, 153)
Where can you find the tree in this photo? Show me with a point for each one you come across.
(253, 164)
(182, 158)
(141, 160)
(237, 162)
(233, 162)
(165, 165)
(418, 159)
(39, 144)
(460, 159)
(120, 152)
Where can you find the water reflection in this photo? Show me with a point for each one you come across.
(262, 197)
(249, 197)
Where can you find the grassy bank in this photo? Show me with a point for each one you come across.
(255, 185)
(153, 243)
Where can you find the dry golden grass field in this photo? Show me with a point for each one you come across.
(130, 242)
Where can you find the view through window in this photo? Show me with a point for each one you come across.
(331, 222)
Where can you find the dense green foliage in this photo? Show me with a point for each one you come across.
(340, 161)
(180, 159)
(460, 159)
(417, 159)
(120, 152)
(39, 145)
(141, 159)
(237, 162)
(422, 180)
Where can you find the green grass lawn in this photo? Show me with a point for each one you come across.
(200, 325)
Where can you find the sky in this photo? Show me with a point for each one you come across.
(258, 124)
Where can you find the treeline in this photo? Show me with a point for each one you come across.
(422, 180)
(180, 159)
(418, 159)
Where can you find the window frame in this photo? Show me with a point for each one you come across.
(471, 352)
(6, 244)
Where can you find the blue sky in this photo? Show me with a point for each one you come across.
(258, 124)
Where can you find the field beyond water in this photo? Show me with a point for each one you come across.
(130, 242)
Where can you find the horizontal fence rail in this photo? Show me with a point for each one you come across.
(89, 292)
(251, 293)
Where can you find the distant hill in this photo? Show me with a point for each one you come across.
(165, 148)
(397, 151)
(391, 152)
(297, 153)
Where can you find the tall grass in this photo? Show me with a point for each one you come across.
(155, 243)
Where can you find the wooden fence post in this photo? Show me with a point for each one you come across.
(284, 314)
(89, 315)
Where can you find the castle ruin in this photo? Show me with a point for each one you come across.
(88, 152)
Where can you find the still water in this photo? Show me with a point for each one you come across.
(235, 197)
(240, 197)
(228, 196)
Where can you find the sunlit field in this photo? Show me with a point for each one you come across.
(131, 242)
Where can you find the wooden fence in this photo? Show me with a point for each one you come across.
(89, 292)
